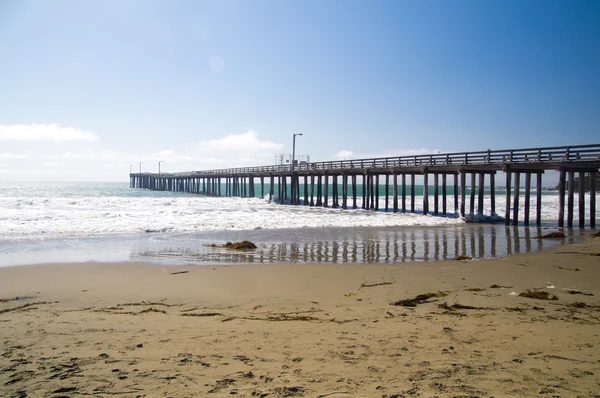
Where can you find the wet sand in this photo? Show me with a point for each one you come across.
(314, 330)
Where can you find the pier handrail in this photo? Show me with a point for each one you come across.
(576, 153)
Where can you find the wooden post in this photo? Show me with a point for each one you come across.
(425, 193)
(412, 193)
(306, 190)
(272, 187)
(326, 190)
(319, 191)
(336, 193)
(354, 206)
(508, 187)
(444, 194)
(376, 192)
(436, 193)
(480, 194)
(312, 190)
(581, 199)
(371, 192)
(570, 199)
(538, 188)
(463, 192)
(493, 192)
(515, 220)
(561, 198)
(472, 195)
(593, 199)
(344, 191)
(387, 193)
(395, 193)
(527, 197)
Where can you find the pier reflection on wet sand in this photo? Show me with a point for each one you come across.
(386, 247)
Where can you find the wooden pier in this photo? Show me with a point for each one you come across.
(398, 177)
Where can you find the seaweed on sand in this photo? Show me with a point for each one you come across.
(458, 306)
(552, 235)
(462, 258)
(579, 292)
(243, 245)
(420, 299)
(537, 294)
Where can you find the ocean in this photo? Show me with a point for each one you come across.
(57, 222)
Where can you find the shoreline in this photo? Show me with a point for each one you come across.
(305, 329)
(415, 244)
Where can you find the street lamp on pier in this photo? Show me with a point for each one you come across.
(294, 150)
(141, 167)
(162, 161)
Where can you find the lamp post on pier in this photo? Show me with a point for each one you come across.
(141, 167)
(162, 161)
(294, 150)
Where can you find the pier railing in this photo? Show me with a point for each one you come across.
(564, 154)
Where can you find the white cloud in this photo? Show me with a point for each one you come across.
(346, 154)
(53, 164)
(168, 155)
(8, 155)
(240, 143)
(44, 132)
(166, 152)
(85, 155)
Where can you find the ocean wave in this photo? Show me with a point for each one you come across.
(93, 212)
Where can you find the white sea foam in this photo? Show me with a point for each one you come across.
(88, 216)
(31, 212)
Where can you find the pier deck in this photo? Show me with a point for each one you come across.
(315, 178)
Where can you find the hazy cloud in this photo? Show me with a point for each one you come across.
(53, 164)
(346, 154)
(44, 132)
(240, 143)
(8, 155)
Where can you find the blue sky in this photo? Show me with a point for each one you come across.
(90, 87)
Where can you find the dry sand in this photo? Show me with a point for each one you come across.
(142, 330)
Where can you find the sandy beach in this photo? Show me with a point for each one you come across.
(324, 330)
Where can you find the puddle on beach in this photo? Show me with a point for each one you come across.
(309, 245)
(385, 246)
